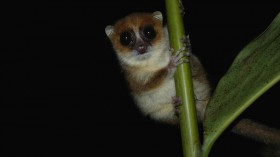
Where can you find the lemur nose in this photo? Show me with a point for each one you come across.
(141, 47)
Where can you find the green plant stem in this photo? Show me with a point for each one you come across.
(183, 81)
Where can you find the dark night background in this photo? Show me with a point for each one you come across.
(64, 94)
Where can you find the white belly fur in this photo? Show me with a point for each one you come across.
(157, 103)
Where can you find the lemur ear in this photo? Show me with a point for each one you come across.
(158, 15)
(109, 30)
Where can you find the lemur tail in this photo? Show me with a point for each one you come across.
(258, 132)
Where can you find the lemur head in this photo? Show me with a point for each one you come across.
(135, 35)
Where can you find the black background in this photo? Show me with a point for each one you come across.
(64, 94)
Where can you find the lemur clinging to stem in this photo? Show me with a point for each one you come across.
(141, 44)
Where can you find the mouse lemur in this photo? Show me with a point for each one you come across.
(141, 43)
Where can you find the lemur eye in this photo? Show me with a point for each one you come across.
(127, 38)
(149, 32)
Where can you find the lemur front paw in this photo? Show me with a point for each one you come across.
(176, 58)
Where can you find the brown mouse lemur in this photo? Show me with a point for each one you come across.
(141, 44)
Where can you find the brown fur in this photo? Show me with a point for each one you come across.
(198, 72)
(139, 86)
(257, 131)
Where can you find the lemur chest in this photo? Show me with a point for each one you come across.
(157, 97)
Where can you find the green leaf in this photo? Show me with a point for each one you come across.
(254, 71)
